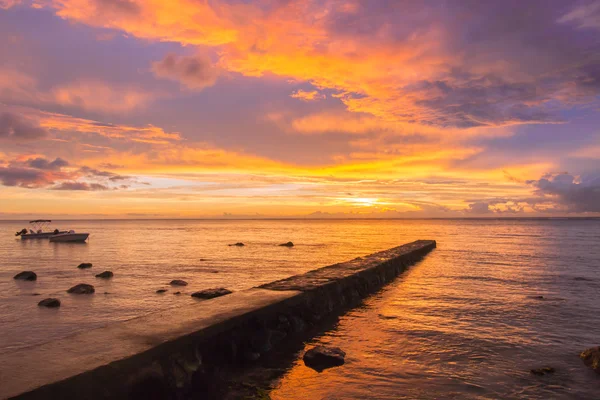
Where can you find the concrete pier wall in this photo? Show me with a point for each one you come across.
(189, 352)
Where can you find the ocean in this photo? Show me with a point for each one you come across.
(465, 322)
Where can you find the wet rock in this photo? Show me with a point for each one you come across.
(26, 276)
(537, 297)
(239, 244)
(36, 294)
(105, 275)
(542, 371)
(211, 293)
(178, 282)
(159, 291)
(251, 356)
(50, 303)
(82, 288)
(288, 244)
(320, 358)
(177, 293)
(591, 358)
(84, 265)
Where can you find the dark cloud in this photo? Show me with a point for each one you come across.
(111, 176)
(574, 194)
(196, 72)
(80, 186)
(24, 177)
(42, 163)
(15, 127)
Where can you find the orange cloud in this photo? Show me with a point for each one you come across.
(307, 95)
(148, 134)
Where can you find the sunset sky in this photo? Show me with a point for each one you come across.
(294, 108)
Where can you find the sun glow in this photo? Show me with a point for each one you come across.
(362, 201)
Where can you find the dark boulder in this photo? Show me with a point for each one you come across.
(159, 291)
(84, 265)
(239, 244)
(50, 303)
(26, 276)
(82, 288)
(591, 358)
(211, 293)
(320, 358)
(288, 244)
(178, 282)
(105, 275)
(177, 293)
(542, 371)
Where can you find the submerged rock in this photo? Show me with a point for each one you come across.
(211, 293)
(178, 282)
(84, 265)
(105, 275)
(542, 371)
(82, 288)
(239, 244)
(591, 358)
(288, 244)
(159, 291)
(320, 358)
(26, 276)
(177, 293)
(50, 303)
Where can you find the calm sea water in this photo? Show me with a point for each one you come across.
(463, 323)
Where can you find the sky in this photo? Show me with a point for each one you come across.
(299, 108)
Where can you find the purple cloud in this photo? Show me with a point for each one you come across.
(196, 72)
(24, 177)
(80, 186)
(42, 163)
(15, 127)
(576, 195)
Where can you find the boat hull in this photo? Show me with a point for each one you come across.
(70, 238)
(43, 235)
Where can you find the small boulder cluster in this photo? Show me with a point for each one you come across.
(82, 288)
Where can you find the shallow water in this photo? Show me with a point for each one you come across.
(463, 323)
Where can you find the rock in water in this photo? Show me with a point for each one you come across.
(84, 265)
(159, 291)
(320, 358)
(288, 244)
(105, 275)
(591, 358)
(211, 293)
(26, 276)
(178, 282)
(82, 288)
(50, 303)
(239, 244)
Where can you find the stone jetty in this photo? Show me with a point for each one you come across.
(175, 353)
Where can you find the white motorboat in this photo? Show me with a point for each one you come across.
(37, 230)
(70, 237)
